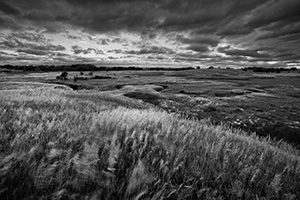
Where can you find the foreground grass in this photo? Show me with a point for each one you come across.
(57, 144)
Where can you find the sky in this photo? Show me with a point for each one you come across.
(219, 33)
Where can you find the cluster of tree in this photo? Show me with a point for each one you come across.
(83, 67)
(82, 76)
(269, 70)
(65, 76)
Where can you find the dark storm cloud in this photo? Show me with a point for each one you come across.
(80, 2)
(136, 15)
(291, 38)
(204, 40)
(61, 54)
(284, 30)
(198, 43)
(34, 14)
(8, 22)
(234, 31)
(193, 57)
(113, 16)
(37, 15)
(211, 16)
(203, 24)
(273, 11)
(8, 9)
(288, 57)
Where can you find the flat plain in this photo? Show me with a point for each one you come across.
(265, 103)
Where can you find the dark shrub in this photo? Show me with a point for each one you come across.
(63, 76)
(101, 77)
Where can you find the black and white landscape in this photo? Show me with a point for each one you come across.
(149, 99)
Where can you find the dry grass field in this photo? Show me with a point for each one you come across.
(265, 103)
(150, 135)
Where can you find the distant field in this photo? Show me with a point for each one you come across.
(265, 103)
(57, 143)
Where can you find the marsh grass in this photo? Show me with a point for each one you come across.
(146, 97)
(58, 144)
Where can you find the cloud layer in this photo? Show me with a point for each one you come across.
(200, 32)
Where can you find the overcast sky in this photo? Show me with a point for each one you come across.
(222, 33)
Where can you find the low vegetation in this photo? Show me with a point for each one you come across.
(270, 70)
(65, 76)
(62, 144)
(146, 97)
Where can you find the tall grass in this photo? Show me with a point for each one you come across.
(58, 144)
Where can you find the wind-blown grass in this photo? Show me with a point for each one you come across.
(58, 144)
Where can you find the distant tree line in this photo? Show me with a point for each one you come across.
(81, 76)
(83, 67)
(269, 70)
